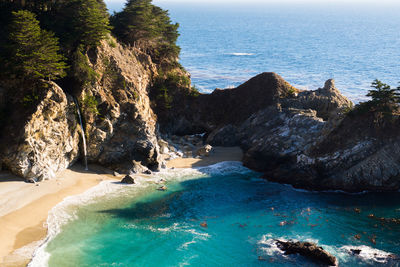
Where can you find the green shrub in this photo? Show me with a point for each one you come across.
(81, 70)
(90, 105)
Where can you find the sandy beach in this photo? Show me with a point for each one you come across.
(24, 207)
(218, 154)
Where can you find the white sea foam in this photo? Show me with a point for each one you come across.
(65, 211)
(268, 245)
(241, 54)
(368, 254)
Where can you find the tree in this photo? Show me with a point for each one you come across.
(148, 27)
(384, 98)
(34, 53)
(92, 24)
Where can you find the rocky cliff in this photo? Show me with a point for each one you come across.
(39, 145)
(303, 138)
(120, 126)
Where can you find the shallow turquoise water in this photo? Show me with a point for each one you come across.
(146, 227)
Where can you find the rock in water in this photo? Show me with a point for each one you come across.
(128, 180)
(308, 250)
(162, 188)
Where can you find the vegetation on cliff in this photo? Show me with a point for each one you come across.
(54, 39)
(148, 27)
(33, 52)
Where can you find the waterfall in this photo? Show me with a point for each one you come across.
(83, 133)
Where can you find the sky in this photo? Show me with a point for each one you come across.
(378, 2)
(116, 5)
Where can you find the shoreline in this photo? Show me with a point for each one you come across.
(19, 200)
(21, 236)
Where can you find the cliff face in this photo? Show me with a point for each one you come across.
(120, 126)
(297, 137)
(48, 141)
(301, 138)
(307, 141)
(207, 112)
(123, 128)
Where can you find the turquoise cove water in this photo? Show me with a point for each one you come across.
(222, 215)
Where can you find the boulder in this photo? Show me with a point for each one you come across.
(308, 250)
(204, 151)
(128, 179)
(162, 188)
(137, 167)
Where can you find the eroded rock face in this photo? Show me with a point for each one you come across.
(297, 137)
(49, 140)
(307, 142)
(325, 101)
(123, 128)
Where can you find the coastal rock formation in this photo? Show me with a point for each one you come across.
(120, 124)
(308, 250)
(303, 138)
(48, 141)
(128, 180)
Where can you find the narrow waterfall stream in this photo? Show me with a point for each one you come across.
(83, 133)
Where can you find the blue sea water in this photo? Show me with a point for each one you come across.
(224, 45)
(222, 215)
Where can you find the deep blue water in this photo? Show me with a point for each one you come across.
(140, 226)
(224, 45)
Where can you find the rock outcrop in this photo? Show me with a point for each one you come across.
(128, 179)
(308, 250)
(122, 125)
(48, 141)
(303, 138)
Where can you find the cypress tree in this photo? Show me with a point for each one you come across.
(92, 24)
(33, 51)
(148, 27)
(384, 98)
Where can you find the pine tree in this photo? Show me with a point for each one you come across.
(33, 51)
(384, 98)
(148, 27)
(92, 24)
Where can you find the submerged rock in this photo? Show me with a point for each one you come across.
(308, 250)
(128, 180)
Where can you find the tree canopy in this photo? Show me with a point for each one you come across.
(384, 98)
(34, 53)
(148, 27)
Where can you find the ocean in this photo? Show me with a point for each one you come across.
(225, 45)
(225, 215)
(221, 215)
